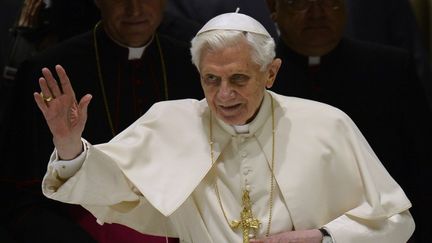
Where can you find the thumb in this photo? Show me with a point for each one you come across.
(83, 106)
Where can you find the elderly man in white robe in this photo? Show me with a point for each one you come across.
(242, 165)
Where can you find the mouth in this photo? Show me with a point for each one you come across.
(229, 109)
(136, 22)
(316, 27)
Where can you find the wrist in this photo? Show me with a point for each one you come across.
(68, 150)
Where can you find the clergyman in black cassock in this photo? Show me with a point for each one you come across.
(378, 88)
(123, 86)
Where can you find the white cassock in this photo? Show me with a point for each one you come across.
(157, 176)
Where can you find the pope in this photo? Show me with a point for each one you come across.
(242, 165)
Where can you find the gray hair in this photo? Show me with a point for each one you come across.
(263, 47)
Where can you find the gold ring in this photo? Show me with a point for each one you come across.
(46, 99)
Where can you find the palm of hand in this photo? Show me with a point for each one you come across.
(65, 117)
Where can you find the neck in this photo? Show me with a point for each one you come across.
(256, 112)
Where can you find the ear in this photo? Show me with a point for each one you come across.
(271, 4)
(272, 72)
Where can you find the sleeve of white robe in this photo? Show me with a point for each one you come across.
(76, 190)
(109, 196)
(397, 228)
(114, 176)
(383, 216)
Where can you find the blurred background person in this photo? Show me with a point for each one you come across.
(202, 11)
(41, 24)
(31, 26)
(376, 85)
(128, 65)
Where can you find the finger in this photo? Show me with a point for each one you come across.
(40, 102)
(36, 7)
(32, 16)
(64, 81)
(83, 107)
(50, 83)
(30, 12)
(45, 91)
(54, 87)
(24, 14)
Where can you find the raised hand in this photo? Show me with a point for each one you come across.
(65, 117)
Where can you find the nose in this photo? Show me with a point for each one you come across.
(134, 7)
(226, 92)
(316, 9)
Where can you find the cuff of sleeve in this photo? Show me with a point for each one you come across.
(67, 168)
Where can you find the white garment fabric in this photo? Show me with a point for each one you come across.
(157, 176)
(136, 52)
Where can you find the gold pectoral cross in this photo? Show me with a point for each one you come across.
(247, 221)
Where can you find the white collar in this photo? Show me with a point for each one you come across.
(314, 61)
(137, 52)
(241, 129)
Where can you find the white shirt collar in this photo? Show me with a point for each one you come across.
(241, 129)
(136, 52)
(314, 61)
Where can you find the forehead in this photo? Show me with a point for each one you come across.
(226, 58)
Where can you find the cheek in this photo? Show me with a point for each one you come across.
(209, 93)
(339, 22)
(290, 27)
(113, 17)
(255, 97)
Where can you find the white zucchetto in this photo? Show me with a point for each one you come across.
(234, 21)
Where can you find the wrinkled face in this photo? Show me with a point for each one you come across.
(314, 31)
(131, 22)
(233, 84)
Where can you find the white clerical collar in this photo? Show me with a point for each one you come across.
(137, 52)
(313, 61)
(241, 129)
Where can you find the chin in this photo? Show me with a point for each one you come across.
(233, 121)
(134, 42)
(230, 120)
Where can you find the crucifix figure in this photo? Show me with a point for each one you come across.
(247, 221)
